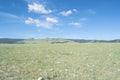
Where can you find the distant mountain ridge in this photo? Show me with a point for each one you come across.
(52, 40)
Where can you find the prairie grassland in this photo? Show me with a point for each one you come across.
(70, 61)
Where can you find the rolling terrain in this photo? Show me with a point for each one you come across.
(59, 59)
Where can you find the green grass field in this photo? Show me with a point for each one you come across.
(70, 61)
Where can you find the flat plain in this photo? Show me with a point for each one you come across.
(69, 61)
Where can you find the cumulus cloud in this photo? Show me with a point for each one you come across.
(38, 23)
(51, 20)
(48, 23)
(75, 23)
(38, 8)
(67, 13)
(29, 21)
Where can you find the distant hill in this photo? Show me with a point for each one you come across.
(9, 40)
(53, 41)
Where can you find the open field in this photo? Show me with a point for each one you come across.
(69, 61)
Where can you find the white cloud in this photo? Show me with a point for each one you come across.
(38, 8)
(51, 20)
(75, 10)
(66, 13)
(29, 21)
(49, 23)
(75, 23)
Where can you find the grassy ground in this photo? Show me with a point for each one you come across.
(70, 61)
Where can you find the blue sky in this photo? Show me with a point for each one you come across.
(77, 19)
